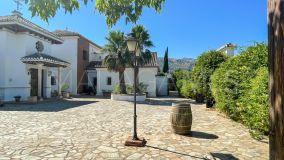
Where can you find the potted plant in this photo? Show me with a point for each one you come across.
(1, 103)
(140, 97)
(54, 93)
(17, 98)
(32, 99)
(106, 93)
(64, 91)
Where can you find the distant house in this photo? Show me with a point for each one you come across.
(78, 50)
(228, 49)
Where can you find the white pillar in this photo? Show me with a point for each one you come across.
(59, 81)
(39, 86)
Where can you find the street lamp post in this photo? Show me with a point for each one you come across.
(134, 48)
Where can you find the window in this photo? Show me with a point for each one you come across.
(53, 81)
(108, 80)
(85, 55)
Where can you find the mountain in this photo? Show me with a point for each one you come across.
(175, 64)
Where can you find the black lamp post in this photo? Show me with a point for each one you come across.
(134, 48)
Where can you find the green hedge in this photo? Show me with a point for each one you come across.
(183, 83)
(254, 104)
(240, 90)
(205, 66)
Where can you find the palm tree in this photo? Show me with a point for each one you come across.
(118, 57)
(142, 35)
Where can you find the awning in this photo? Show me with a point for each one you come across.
(46, 60)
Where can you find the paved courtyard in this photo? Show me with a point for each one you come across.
(85, 128)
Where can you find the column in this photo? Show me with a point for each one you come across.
(39, 81)
(59, 82)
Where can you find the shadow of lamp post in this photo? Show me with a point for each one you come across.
(134, 48)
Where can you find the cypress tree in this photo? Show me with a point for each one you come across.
(166, 62)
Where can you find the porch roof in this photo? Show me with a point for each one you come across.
(47, 60)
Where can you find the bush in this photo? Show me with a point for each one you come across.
(129, 89)
(181, 74)
(142, 88)
(116, 89)
(237, 84)
(205, 66)
(65, 87)
(229, 81)
(188, 90)
(183, 83)
(254, 104)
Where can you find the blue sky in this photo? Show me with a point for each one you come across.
(187, 27)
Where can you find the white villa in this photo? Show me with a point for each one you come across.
(25, 59)
(228, 49)
(35, 62)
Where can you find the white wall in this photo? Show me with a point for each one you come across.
(102, 75)
(146, 76)
(162, 85)
(95, 53)
(2, 63)
(67, 52)
(230, 51)
(14, 78)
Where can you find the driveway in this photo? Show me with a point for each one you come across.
(87, 128)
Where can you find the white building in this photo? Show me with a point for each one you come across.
(103, 80)
(78, 50)
(228, 49)
(36, 62)
(25, 59)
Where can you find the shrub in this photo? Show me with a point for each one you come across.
(229, 81)
(129, 89)
(65, 87)
(117, 89)
(142, 88)
(181, 74)
(204, 68)
(254, 104)
(187, 90)
(240, 88)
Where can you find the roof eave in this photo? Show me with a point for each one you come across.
(53, 38)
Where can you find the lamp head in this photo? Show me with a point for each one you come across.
(132, 43)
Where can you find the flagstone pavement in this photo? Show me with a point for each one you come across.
(94, 128)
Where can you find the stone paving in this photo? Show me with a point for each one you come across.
(86, 128)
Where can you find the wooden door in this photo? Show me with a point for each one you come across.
(34, 82)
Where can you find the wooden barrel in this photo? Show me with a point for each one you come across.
(181, 118)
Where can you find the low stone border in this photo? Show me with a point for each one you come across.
(128, 97)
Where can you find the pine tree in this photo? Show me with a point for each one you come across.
(166, 62)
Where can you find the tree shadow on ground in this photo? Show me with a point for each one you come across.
(220, 156)
(224, 156)
(201, 135)
(175, 152)
(48, 106)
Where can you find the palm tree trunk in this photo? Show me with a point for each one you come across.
(276, 78)
(122, 82)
